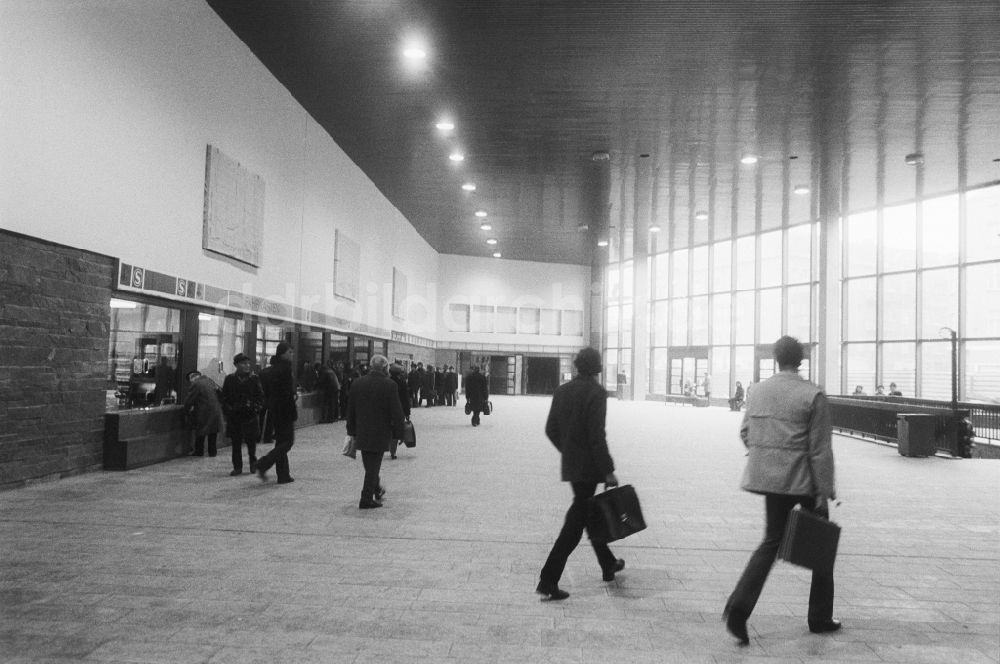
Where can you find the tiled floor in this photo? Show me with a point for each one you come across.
(181, 563)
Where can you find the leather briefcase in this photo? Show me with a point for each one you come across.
(409, 434)
(810, 541)
(614, 514)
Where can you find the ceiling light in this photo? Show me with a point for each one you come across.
(602, 243)
(480, 213)
(801, 189)
(445, 125)
(600, 155)
(491, 240)
(456, 156)
(701, 215)
(414, 51)
(496, 254)
(654, 228)
(583, 227)
(122, 304)
(205, 317)
(749, 159)
(469, 186)
(486, 227)
(914, 159)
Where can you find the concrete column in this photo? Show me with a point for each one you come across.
(640, 273)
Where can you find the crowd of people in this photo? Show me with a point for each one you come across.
(786, 430)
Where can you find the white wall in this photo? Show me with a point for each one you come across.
(489, 281)
(107, 108)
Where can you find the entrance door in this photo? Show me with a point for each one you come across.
(688, 367)
(541, 375)
(498, 374)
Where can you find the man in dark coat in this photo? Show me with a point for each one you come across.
(477, 393)
(450, 386)
(242, 400)
(281, 397)
(413, 384)
(427, 386)
(374, 419)
(398, 375)
(202, 403)
(576, 427)
(329, 387)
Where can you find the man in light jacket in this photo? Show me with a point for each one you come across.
(786, 429)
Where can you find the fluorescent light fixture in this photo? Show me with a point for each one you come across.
(801, 189)
(602, 243)
(701, 215)
(445, 125)
(749, 159)
(122, 304)
(496, 254)
(486, 227)
(205, 317)
(456, 156)
(469, 186)
(914, 159)
(491, 240)
(481, 213)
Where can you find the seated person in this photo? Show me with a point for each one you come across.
(736, 401)
(879, 390)
(858, 391)
(894, 391)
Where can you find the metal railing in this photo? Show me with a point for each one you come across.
(878, 416)
(985, 417)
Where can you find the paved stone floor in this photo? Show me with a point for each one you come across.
(181, 563)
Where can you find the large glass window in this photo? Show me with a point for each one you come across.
(799, 313)
(899, 238)
(745, 310)
(899, 365)
(627, 281)
(939, 303)
(899, 297)
(678, 322)
(144, 354)
(268, 338)
(860, 309)
(614, 283)
(699, 270)
(699, 321)
(308, 354)
(800, 254)
(935, 370)
(721, 318)
(982, 307)
(862, 243)
(661, 321)
(720, 371)
(770, 315)
(982, 214)
(745, 262)
(661, 276)
(611, 325)
(982, 370)
(743, 365)
(659, 373)
(860, 367)
(770, 259)
(722, 266)
(679, 262)
(220, 338)
(940, 231)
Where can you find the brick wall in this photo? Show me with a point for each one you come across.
(54, 319)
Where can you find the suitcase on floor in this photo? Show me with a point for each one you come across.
(615, 514)
(409, 434)
(810, 541)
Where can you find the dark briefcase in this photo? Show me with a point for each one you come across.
(810, 541)
(409, 434)
(614, 515)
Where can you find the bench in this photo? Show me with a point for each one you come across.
(686, 400)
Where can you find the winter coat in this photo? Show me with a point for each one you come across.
(242, 401)
(576, 427)
(374, 412)
(203, 403)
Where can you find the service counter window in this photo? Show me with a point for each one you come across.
(309, 355)
(143, 355)
(268, 338)
(220, 338)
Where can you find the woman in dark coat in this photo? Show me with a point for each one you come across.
(576, 427)
(205, 412)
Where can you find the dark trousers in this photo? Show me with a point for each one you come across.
(373, 464)
(284, 438)
(449, 398)
(331, 406)
(266, 426)
(748, 589)
(414, 397)
(475, 417)
(237, 451)
(572, 531)
(199, 444)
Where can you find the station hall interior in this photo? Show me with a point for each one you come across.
(490, 183)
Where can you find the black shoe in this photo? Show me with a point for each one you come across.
(253, 467)
(286, 480)
(201, 454)
(211, 454)
(736, 624)
(380, 493)
(369, 504)
(262, 473)
(609, 574)
(235, 471)
(551, 591)
(830, 625)
(393, 456)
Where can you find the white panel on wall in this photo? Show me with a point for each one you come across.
(481, 319)
(548, 321)
(399, 293)
(527, 320)
(234, 209)
(346, 267)
(457, 319)
(572, 323)
(506, 320)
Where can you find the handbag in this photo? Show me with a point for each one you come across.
(468, 408)
(614, 514)
(350, 449)
(487, 407)
(810, 541)
(409, 434)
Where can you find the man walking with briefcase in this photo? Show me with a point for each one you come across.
(576, 427)
(786, 429)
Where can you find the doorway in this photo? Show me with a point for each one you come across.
(541, 375)
(687, 370)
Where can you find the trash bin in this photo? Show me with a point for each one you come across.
(916, 434)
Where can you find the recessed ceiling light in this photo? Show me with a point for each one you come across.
(445, 125)
(654, 228)
(491, 240)
(914, 159)
(701, 215)
(496, 254)
(456, 156)
(801, 189)
(749, 159)
(481, 213)
(469, 186)
(486, 227)
(602, 243)
(414, 52)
